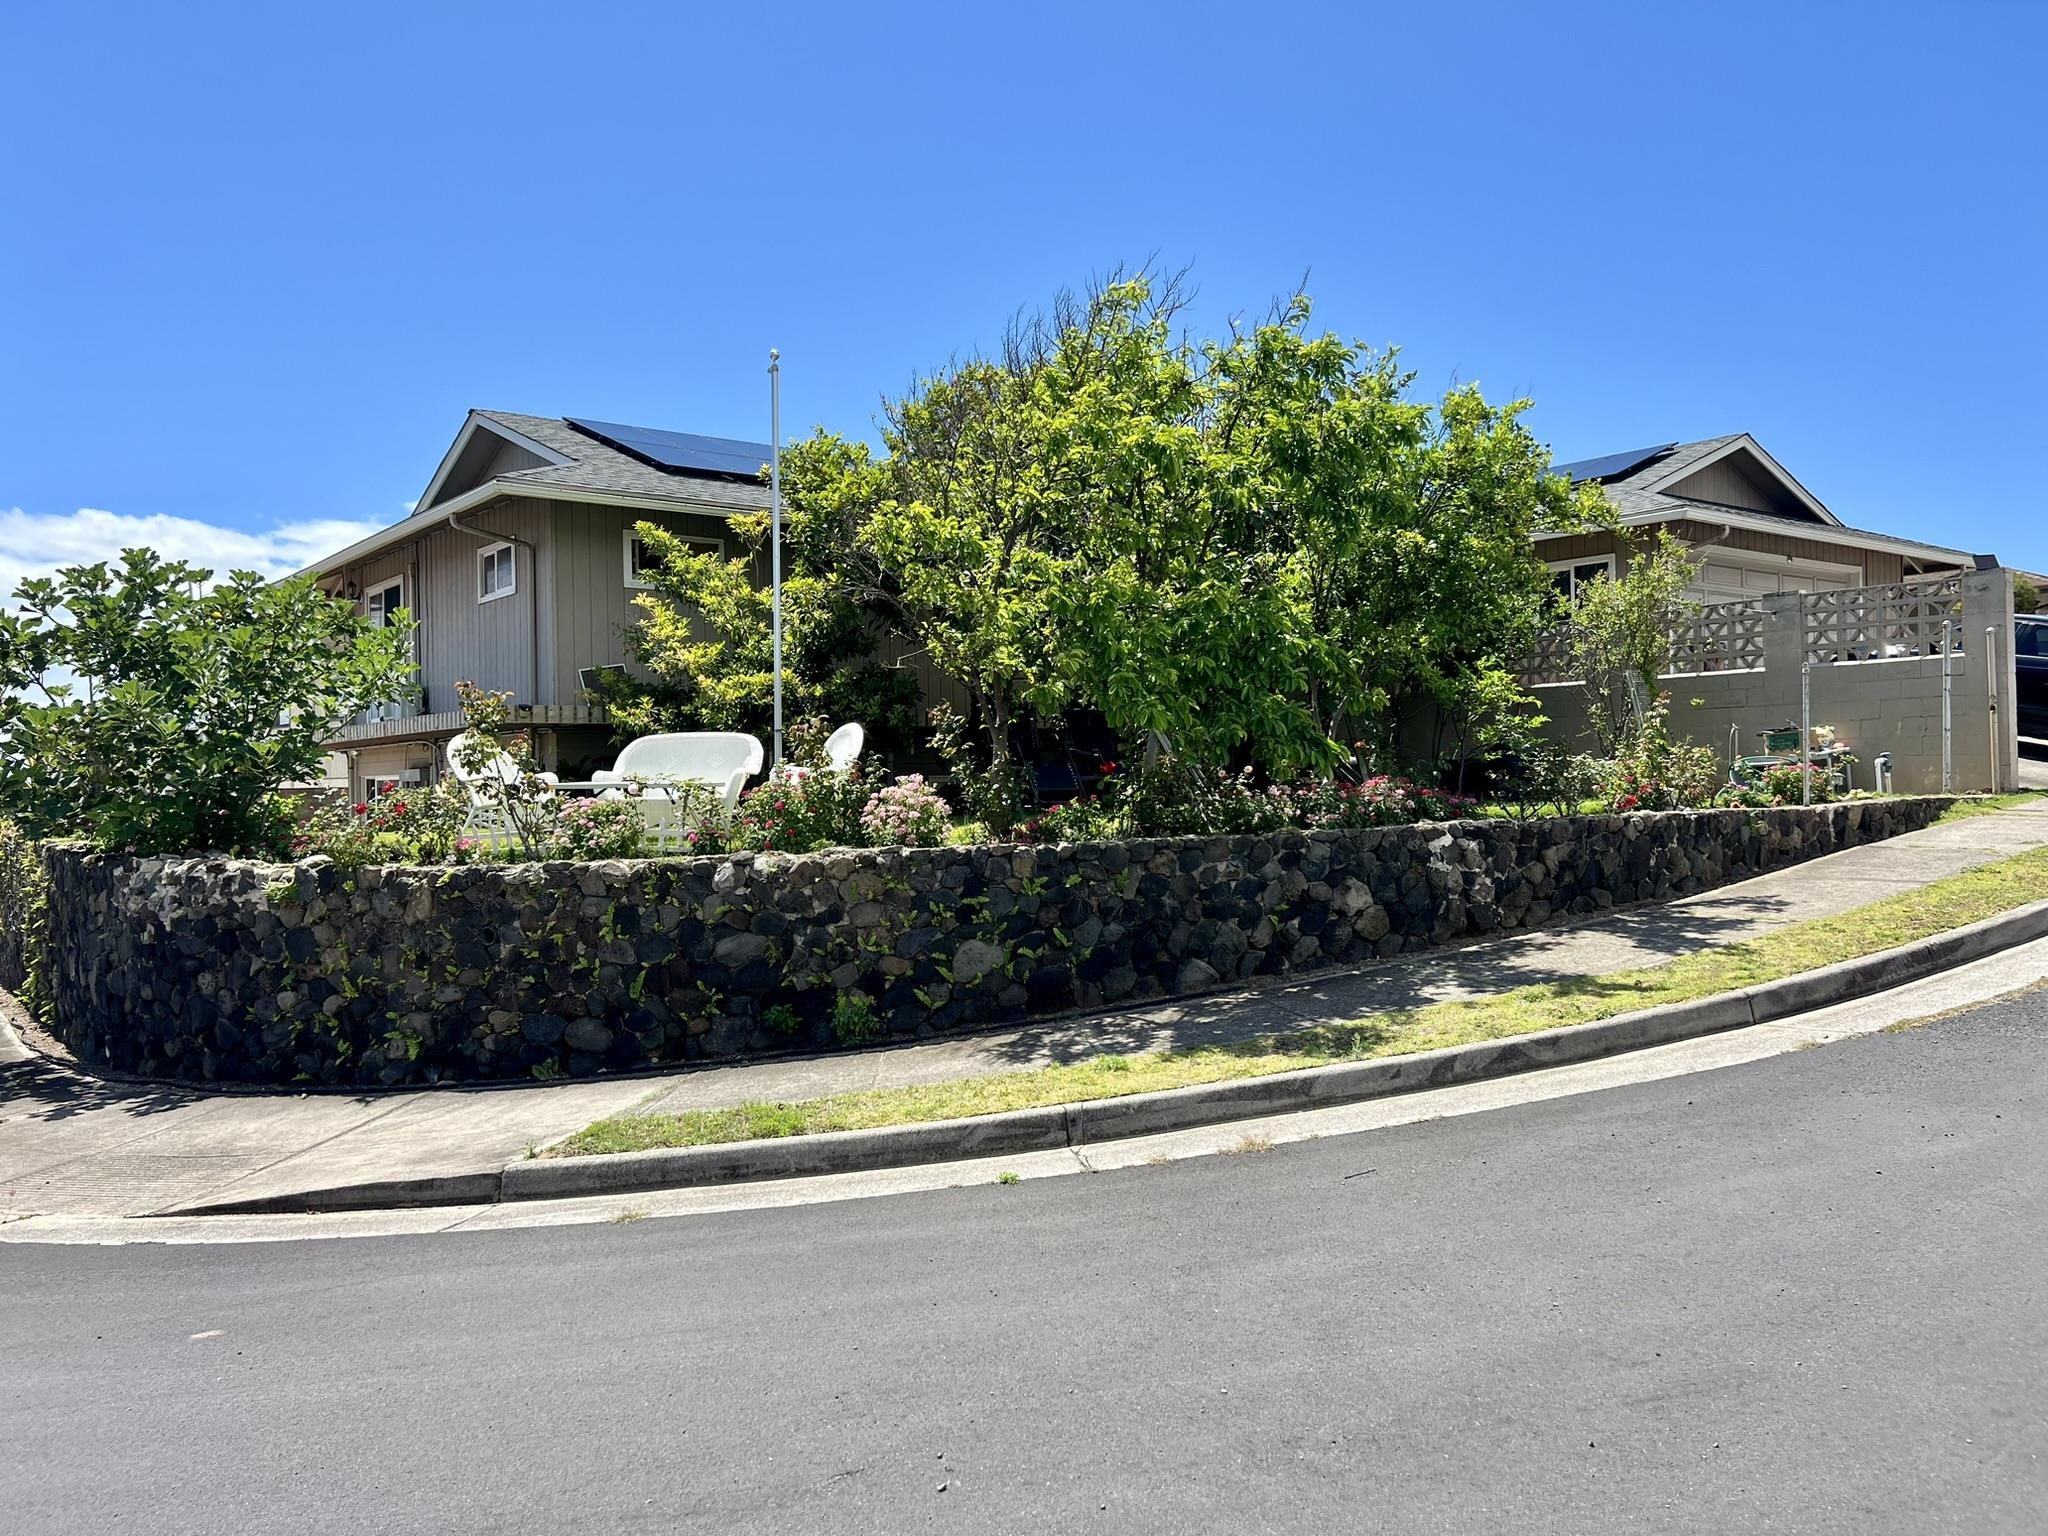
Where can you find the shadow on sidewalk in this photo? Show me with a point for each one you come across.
(53, 1093)
(1319, 1007)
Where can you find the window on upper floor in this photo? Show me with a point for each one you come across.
(639, 558)
(497, 572)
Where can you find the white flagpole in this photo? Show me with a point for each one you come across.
(775, 527)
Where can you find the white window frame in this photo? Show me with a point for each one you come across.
(635, 583)
(381, 586)
(512, 584)
(1571, 568)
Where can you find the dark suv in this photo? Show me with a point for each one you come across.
(2030, 661)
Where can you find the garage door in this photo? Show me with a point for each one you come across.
(1729, 578)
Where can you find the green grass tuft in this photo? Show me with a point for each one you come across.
(1984, 805)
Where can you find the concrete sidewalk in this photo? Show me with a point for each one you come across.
(73, 1143)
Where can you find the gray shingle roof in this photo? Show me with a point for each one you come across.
(1630, 493)
(1634, 500)
(597, 466)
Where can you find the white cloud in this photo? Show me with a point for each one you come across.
(37, 543)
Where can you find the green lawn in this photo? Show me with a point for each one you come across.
(1946, 904)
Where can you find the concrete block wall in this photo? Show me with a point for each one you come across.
(1891, 705)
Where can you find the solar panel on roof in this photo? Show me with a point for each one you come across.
(685, 452)
(1610, 466)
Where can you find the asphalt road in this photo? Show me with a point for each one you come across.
(1801, 1295)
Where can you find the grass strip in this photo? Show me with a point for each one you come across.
(1983, 805)
(1952, 903)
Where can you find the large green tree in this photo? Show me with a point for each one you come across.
(1259, 546)
(145, 707)
(704, 643)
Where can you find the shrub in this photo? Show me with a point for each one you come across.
(593, 829)
(173, 707)
(1171, 798)
(854, 1021)
(1084, 819)
(1548, 776)
(1781, 784)
(997, 795)
(1654, 773)
(420, 826)
(1382, 801)
(523, 805)
(800, 810)
(22, 894)
(1619, 631)
(909, 812)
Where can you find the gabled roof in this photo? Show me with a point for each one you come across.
(554, 460)
(1669, 483)
(1638, 482)
(579, 461)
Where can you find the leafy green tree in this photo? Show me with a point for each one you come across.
(143, 708)
(1620, 633)
(2026, 596)
(1256, 546)
(705, 641)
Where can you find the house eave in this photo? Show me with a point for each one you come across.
(490, 491)
(1833, 533)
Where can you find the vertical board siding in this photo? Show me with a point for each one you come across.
(490, 644)
(1728, 484)
(1584, 546)
(592, 602)
(509, 459)
(1877, 566)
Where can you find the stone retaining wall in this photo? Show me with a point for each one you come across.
(220, 969)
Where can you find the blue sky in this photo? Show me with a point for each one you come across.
(258, 260)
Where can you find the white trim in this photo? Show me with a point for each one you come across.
(704, 541)
(472, 423)
(1744, 443)
(1572, 567)
(510, 587)
(1851, 538)
(385, 584)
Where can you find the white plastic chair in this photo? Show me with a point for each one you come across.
(486, 816)
(502, 766)
(842, 750)
(722, 761)
(843, 747)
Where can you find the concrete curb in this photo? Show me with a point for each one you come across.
(1075, 1125)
